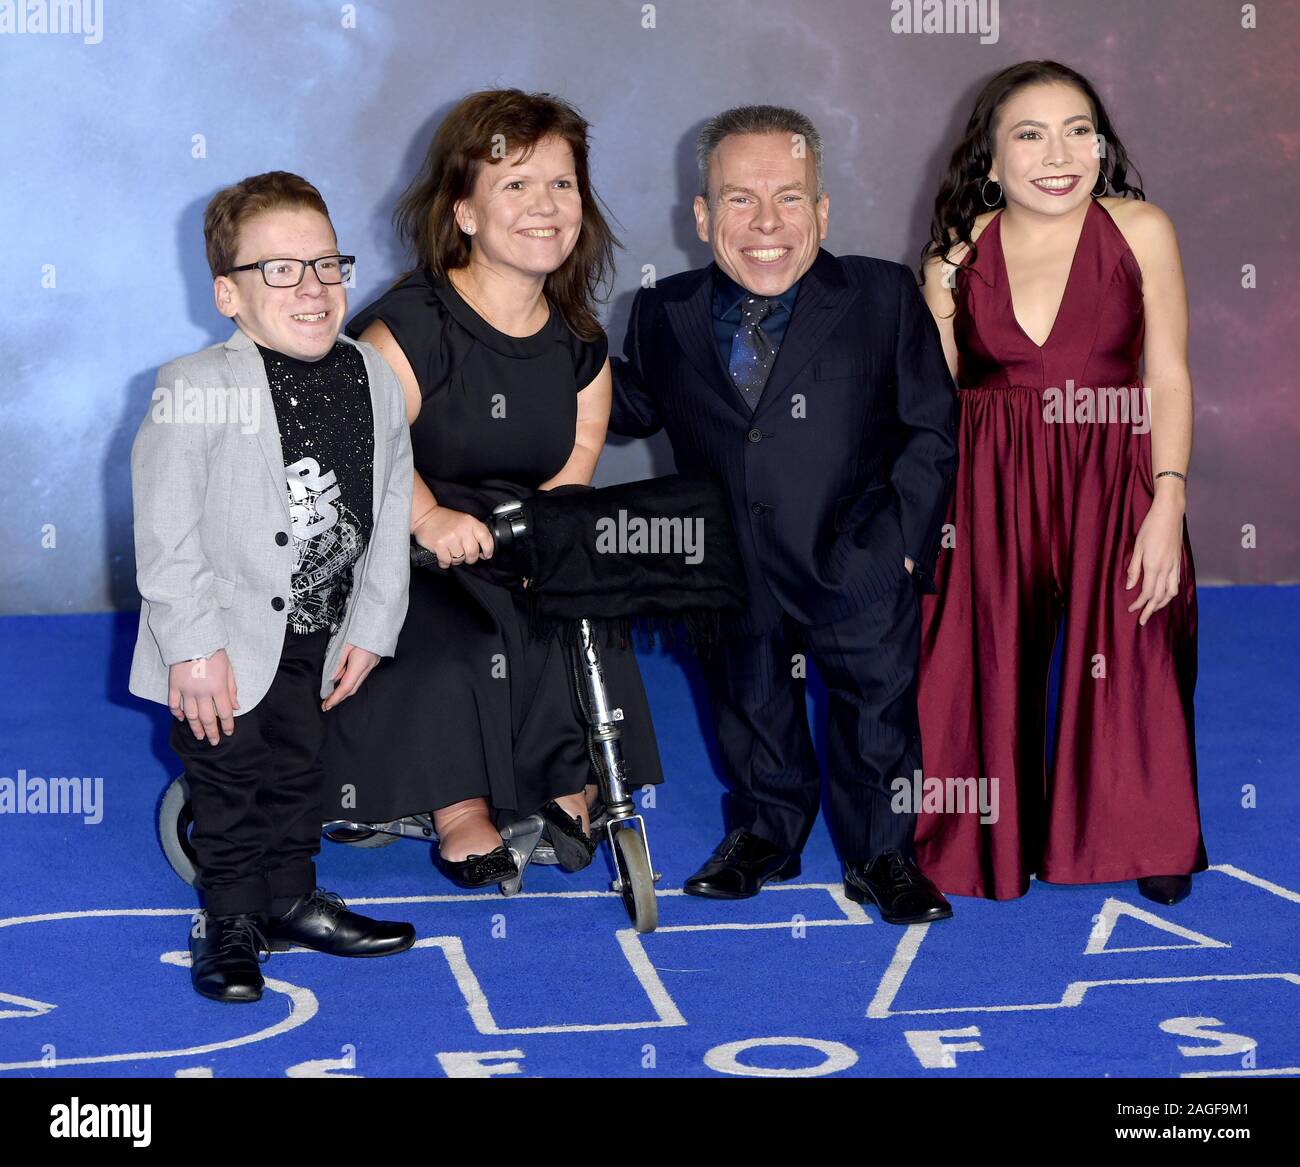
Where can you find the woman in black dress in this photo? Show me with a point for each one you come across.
(508, 392)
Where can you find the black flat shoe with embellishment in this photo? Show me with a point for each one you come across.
(479, 870)
(574, 848)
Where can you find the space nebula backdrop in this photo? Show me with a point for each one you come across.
(115, 139)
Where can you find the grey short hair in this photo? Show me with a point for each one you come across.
(755, 119)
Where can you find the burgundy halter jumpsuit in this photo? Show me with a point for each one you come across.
(1044, 516)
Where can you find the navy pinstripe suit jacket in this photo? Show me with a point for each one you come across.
(846, 464)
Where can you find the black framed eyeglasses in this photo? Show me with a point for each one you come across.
(288, 273)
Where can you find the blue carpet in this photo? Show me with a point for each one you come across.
(1064, 982)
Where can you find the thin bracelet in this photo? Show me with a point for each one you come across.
(423, 517)
(1172, 474)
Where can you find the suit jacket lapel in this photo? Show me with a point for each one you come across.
(379, 416)
(691, 319)
(824, 296)
(249, 374)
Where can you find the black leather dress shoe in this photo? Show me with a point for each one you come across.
(496, 866)
(225, 962)
(897, 887)
(1165, 889)
(739, 867)
(321, 920)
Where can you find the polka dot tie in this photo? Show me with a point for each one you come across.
(752, 352)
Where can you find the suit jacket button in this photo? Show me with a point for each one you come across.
(758, 508)
(281, 538)
(277, 603)
(755, 435)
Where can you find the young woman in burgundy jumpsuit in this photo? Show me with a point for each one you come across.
(1064, 318)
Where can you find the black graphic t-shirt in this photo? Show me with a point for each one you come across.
(327, 436)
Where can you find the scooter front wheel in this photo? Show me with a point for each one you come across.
(636, 882)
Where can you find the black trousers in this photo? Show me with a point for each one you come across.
(868, 662)
(256, 794)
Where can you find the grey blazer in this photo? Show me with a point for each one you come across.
(212, 516)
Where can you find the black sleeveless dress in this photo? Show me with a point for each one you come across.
(472, 705)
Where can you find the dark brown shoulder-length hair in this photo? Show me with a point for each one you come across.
(960, 197)
(462, 144)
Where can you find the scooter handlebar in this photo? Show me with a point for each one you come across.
(508, 524)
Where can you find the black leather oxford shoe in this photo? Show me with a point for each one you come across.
(320, 920)
(1165, 889)
(897, 887)
(225, 962)
(739, 867)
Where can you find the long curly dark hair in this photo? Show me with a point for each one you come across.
(462, 144)
(960, 197)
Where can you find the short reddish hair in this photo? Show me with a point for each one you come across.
(232, 207)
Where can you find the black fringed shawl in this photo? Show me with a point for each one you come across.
(647, 554)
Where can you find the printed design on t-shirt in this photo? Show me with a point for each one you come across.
(326, 539)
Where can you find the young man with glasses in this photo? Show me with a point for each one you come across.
(272, 552)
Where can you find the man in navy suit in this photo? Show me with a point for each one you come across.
(814, 388)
